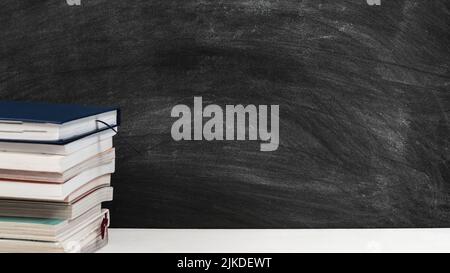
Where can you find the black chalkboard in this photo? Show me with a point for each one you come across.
(363, 94)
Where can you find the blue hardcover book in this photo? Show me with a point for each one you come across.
(53, 123)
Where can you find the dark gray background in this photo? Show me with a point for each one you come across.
(363, 92)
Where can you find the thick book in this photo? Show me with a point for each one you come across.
(49, 230)
(55, 177)
(51, 163)
(10, 189)
(66, 210)
(57, 149)
(53, 123)
(93, 242)
(84, 234)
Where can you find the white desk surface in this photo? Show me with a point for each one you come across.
(229, 241)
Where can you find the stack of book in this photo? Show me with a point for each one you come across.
(56, 163)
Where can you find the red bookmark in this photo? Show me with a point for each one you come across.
(104, 226)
